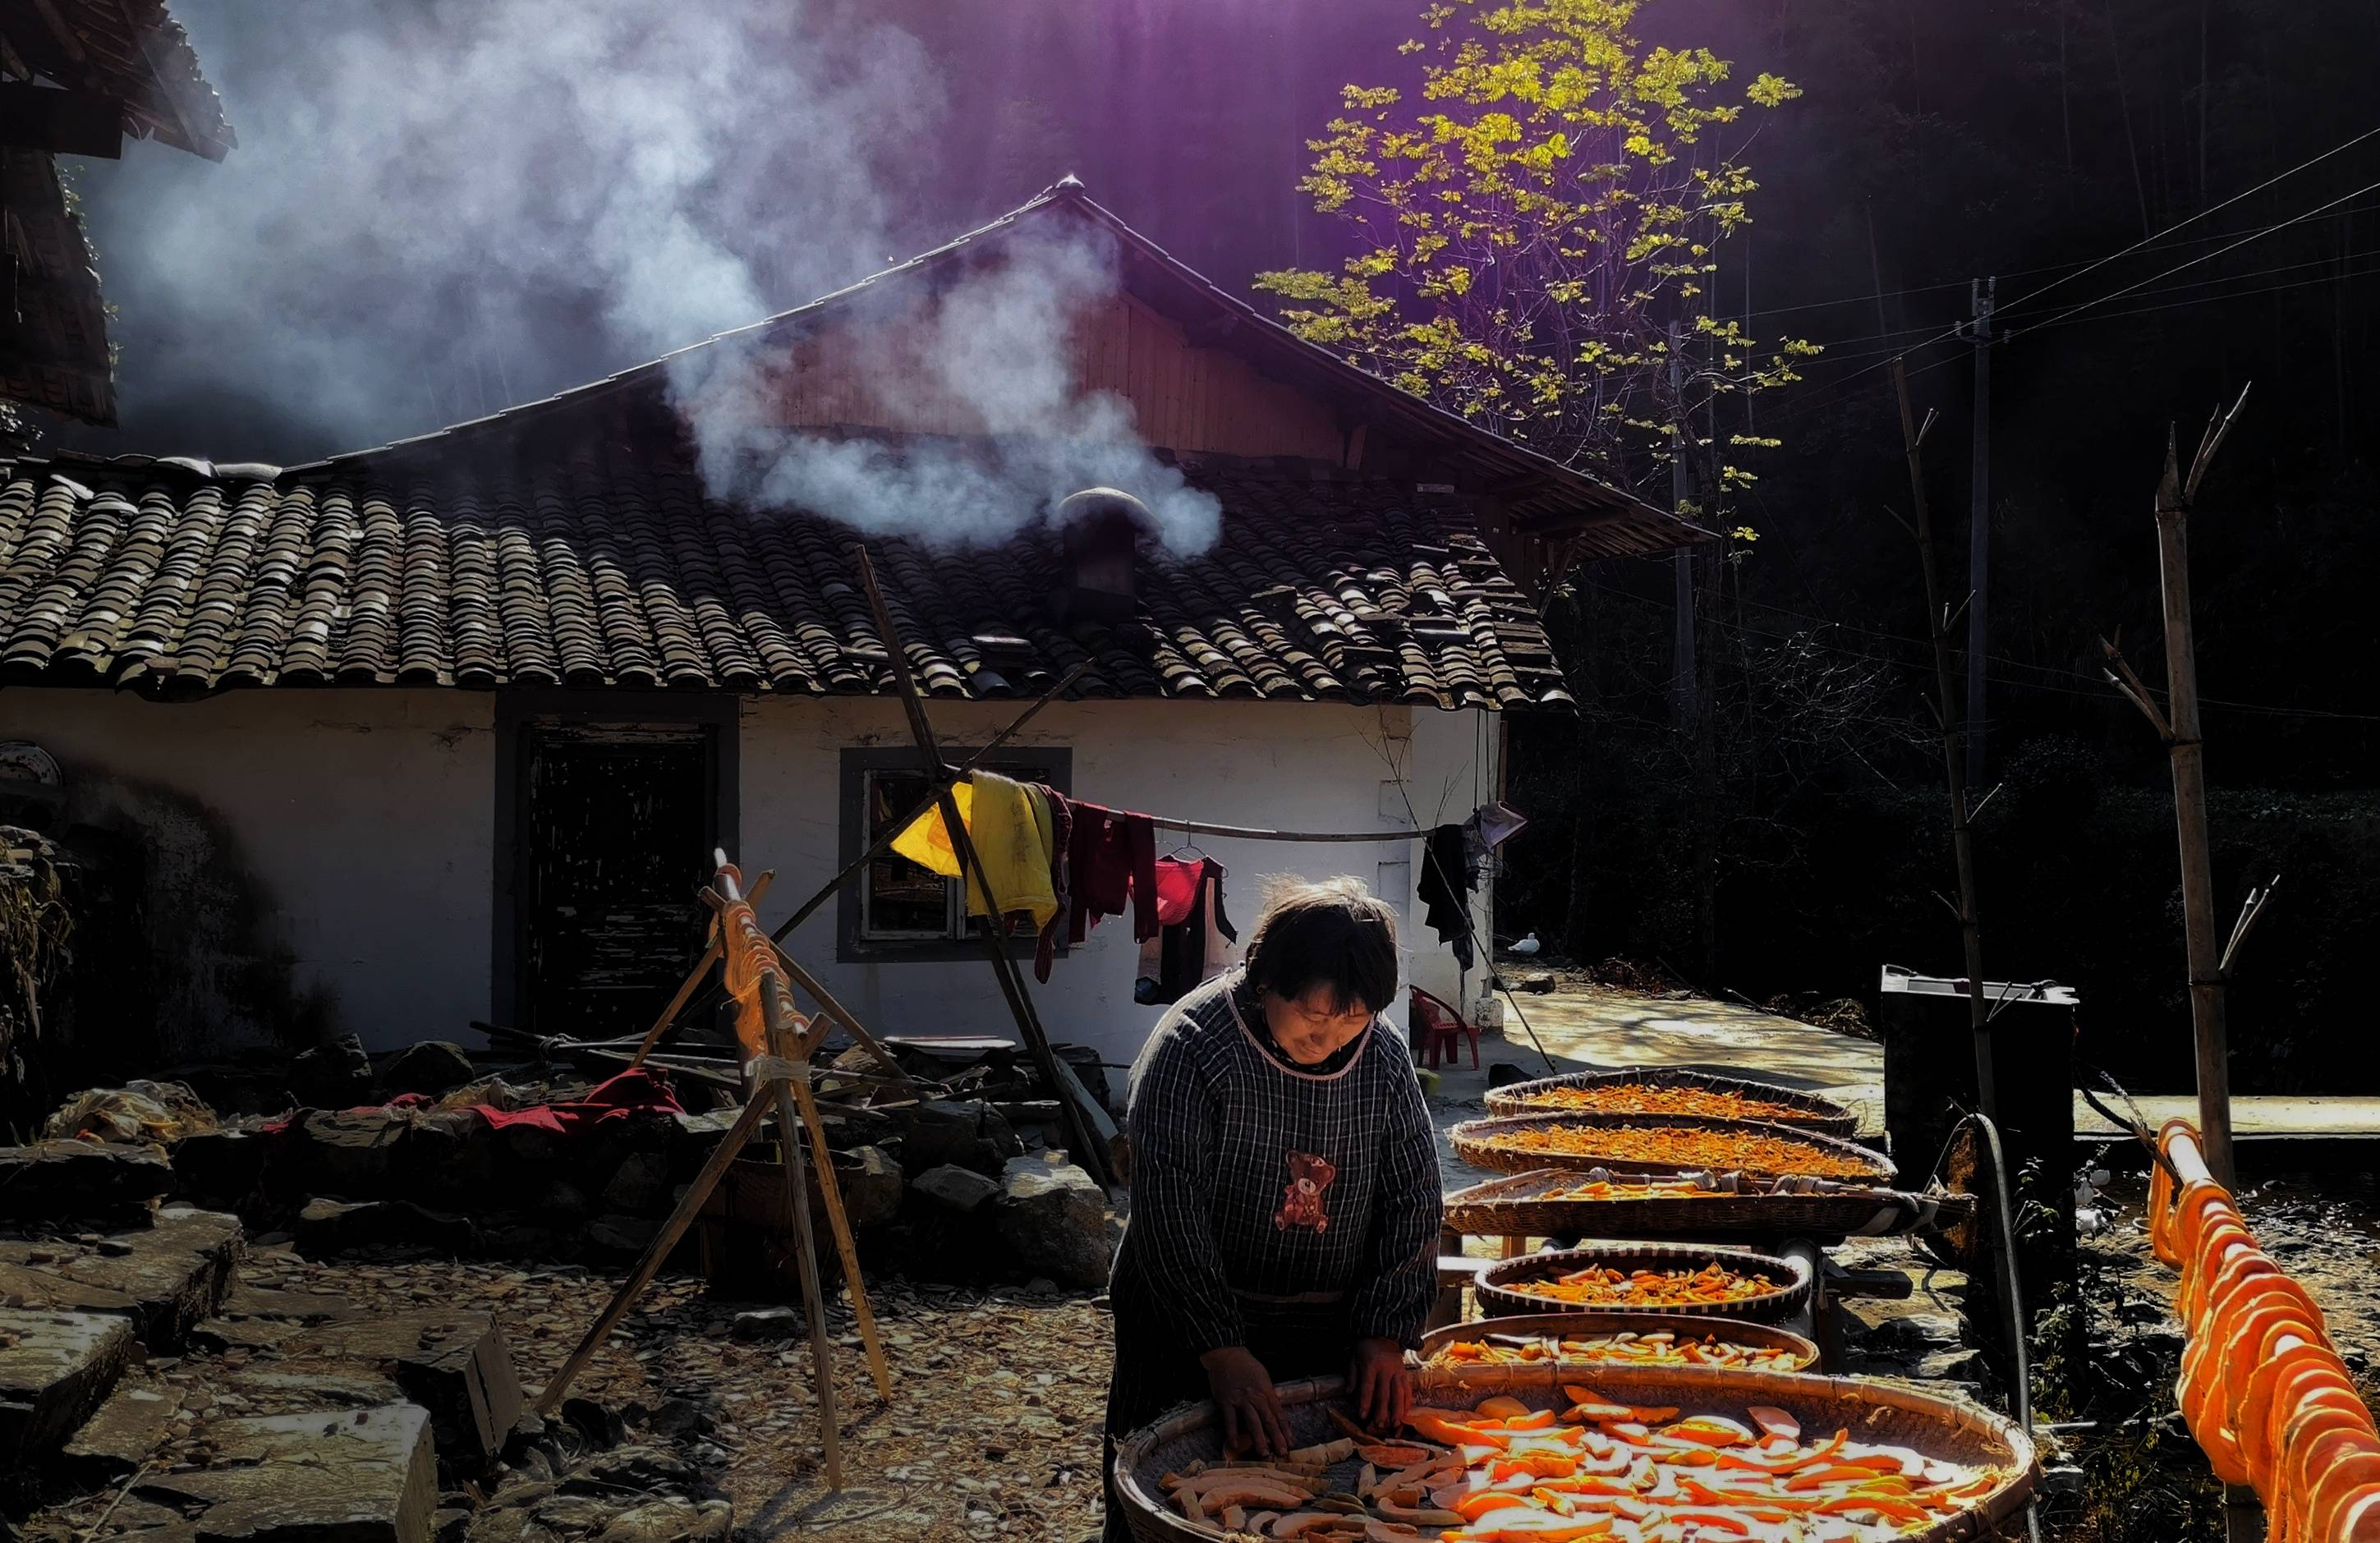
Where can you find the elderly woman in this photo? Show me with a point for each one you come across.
(1284, 1184)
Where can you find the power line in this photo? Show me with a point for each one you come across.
(2195, 262)
(2013, 272)
(2194, 219)
(1831, 355)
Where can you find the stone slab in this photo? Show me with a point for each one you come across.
(367, 1476)
(55, 1369)
(55, 1182)
(457, 1365)
(132, 1424)
(164, 1277)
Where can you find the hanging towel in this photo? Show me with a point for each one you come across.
(1445, 890)
(1196, 943)
(1112, 864)
(1010, 824)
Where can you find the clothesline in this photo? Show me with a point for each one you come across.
(1197, 826)
(1242, 833)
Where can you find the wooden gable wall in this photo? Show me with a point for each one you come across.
(867, 373)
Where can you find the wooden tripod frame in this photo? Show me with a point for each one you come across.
(777, 1081)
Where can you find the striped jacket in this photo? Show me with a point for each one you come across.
(1255, 1184)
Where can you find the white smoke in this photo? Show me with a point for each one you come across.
(989, 353)
(439, 208)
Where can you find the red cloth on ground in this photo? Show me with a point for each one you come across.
(616, 1098)
(1112, 864)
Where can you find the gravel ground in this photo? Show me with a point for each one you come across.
(994, 1431)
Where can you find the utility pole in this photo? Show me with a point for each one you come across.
(1963, 846)
(1979, 527)
(1681, 690)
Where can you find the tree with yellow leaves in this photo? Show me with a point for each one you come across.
(1535, 231)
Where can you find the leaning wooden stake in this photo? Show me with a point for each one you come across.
(1083, 1141)
(1954, 757)
(714, 1168)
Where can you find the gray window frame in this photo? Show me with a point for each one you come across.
(850, 947)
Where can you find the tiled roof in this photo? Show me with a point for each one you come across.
(605, 567)
(54, 336)
(132, 52)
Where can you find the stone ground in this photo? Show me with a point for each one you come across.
(994, 1432)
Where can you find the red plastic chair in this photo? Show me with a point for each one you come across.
(1437, 1028)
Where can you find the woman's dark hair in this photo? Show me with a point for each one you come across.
(1333, 934)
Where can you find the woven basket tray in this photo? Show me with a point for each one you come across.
(1810, 1113)
(1556, 1327)
(1517, 1207)
(1497, 1299)
(1934, 1425)
(1477, 1142)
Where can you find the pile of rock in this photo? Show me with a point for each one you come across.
(147, 1389)
(400, 1156)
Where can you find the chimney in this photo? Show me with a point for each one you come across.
(1100, 529)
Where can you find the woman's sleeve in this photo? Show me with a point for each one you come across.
(1171, 1121)
(1400, 1278)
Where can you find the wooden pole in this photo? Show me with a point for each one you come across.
(797, 1200)
(1081, 1137)
(1954, 768)
(2175, 495)
(1979, 530)
(833, 1009)
(693, 980)
(713, 1168)
(845, 1249)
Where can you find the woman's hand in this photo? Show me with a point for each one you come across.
(1380, 1383)
(1244, 1393)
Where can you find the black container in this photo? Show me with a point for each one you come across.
(1929, 1083)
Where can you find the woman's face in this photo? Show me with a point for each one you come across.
(1313, 1028)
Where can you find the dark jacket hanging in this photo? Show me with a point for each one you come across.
(1445, 890)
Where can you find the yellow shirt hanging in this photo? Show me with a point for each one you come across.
(1009, 822)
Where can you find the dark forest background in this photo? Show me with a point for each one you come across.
(1935, 142)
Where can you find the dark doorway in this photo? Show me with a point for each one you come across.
(616, 829)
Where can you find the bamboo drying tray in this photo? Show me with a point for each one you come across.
(1497, 1299)
(1522, 1206)
(1934, 1425)
(1810, 1113)
(1479, 1143)
(1557, 1327)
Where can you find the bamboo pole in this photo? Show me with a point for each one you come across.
(2209, 1032)
(1081, 1137)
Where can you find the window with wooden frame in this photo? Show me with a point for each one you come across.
(898, 910)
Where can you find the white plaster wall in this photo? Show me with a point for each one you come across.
(361, 821)
(1257, 764)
